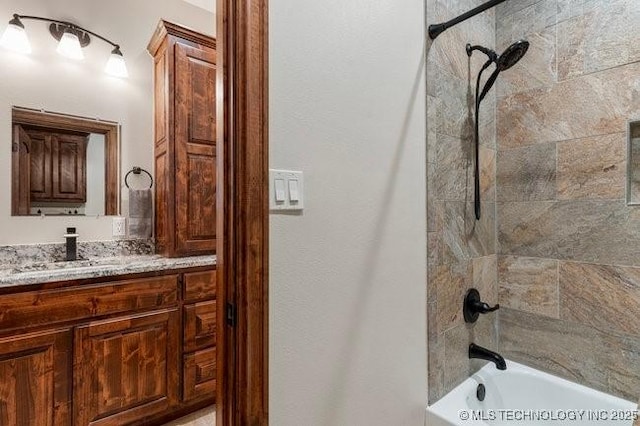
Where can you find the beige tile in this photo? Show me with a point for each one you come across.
(452, 166)
(604, 297)
(537, 69)
(485, 278)
(597, 231)
(524, 22)
(571, 36)
(603, 36)
(561, 348)
(592, 167)
(529, 284)
(463, 236)
(450, 286)
(436, 369)
(527, 174)
(526, 229)
(487, 175)
(204, 417)
(604, 361)
(503, 10)
(595, 104)
(456, 355)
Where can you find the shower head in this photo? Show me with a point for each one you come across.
(509, 58)
(512, 55)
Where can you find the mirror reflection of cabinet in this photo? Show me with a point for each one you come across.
(58, 171)
(63, 163)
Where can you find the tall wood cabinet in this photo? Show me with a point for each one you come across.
(185, 140)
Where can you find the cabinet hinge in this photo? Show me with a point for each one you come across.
(231, 315)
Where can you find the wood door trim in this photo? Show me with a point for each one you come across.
(242, 202)
(109, 129)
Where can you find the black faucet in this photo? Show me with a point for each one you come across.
(479, 352)
(473, 306)
(72, 246)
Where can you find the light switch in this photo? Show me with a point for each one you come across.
(281, 195)
(294, 195)
(286, 190)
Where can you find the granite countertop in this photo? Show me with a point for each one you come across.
(46, 272)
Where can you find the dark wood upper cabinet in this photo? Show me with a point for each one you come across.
(185, 140)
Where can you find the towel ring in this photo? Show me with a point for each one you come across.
(136, 171)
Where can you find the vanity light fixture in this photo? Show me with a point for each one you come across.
(71, 40)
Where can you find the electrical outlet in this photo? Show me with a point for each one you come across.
(119, 227)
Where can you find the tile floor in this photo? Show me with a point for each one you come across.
(204, 417)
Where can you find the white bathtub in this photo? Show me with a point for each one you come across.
(524, 396)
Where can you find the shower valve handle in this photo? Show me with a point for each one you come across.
(473, 306)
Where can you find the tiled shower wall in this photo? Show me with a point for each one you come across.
(462, 252)
(569, 246)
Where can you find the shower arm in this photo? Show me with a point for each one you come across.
(437, 29)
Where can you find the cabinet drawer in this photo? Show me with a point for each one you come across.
(35, 308)
(200, 374)
(199, 325)
(199, 286)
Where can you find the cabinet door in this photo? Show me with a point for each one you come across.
(35, 375)
(126, 369)
(195, 147)
(20, 172)
(40, 161)
(69, 158)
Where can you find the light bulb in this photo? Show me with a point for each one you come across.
(116, 65)
(15, 37)
(69, 46)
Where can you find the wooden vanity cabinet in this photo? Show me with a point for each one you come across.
(185, 140)
(109, 352)
(126, 368)
(35, 379)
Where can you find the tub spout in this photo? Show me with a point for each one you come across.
(479, 352)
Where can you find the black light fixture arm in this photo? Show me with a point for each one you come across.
(71, 25)
(437, 29)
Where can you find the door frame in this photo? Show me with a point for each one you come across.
(242, 211)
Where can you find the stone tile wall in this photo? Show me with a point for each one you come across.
(568, 245)
(462, 252)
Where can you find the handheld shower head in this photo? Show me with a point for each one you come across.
(512, 55)
(508, 59)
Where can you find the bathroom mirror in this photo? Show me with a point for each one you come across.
(633, 163)
(63, 164)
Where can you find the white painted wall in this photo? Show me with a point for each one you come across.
(46, 80)
(348, 277)
(96, 169)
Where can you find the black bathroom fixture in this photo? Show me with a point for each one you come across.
(473, 306)
(478, 352)
(71, 248)
(509, 58)
(437, 29)
(72, 39)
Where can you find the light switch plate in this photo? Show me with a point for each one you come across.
(286, 176)
(119, 227)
